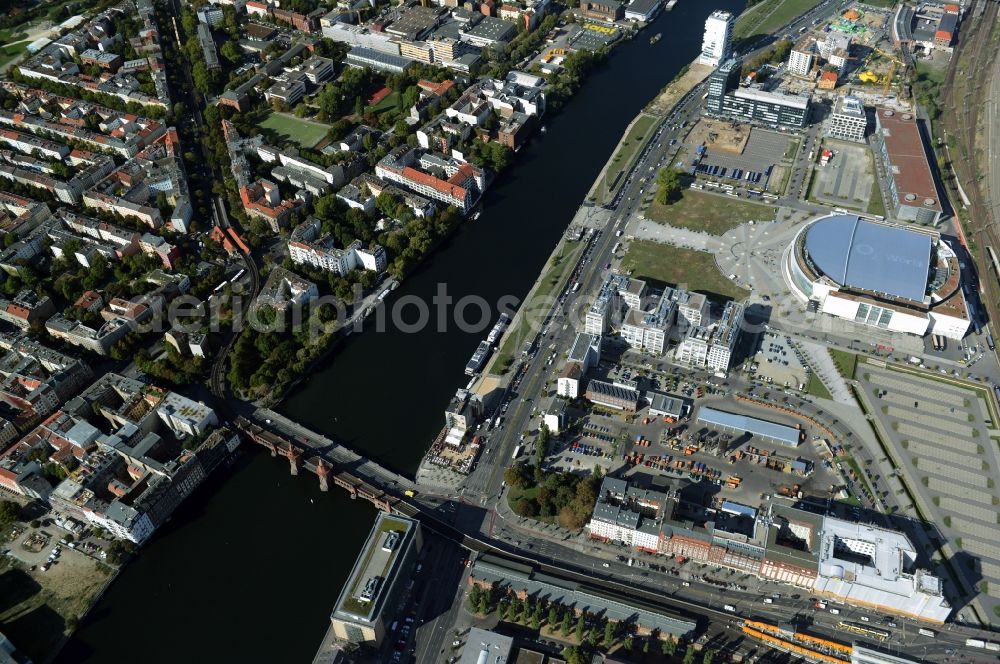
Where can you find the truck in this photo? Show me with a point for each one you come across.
(576, 286)
(409, 493)
(926, 632)
(517, 452)
(975, 643)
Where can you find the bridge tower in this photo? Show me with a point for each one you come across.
(321, 473)
(293, 459)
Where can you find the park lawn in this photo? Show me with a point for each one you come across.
(690, 269)
(634, 139)
(846, 362)
(711, 214)
(815, 387)
(11, 35)
(11, 51)
(538, 303)
(303, 132)
(875, 204)
(770, 15)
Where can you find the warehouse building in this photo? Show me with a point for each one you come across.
(913, 193)
(782, 434)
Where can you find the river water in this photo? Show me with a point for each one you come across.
(249, 567)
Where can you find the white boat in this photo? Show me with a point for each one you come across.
(544, 129)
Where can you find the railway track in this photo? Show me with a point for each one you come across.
(961, 117)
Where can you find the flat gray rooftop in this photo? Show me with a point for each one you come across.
(874, 257)
(781, 433)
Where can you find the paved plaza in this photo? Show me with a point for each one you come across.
(848, 179)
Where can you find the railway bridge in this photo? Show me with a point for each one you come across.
(328, 460)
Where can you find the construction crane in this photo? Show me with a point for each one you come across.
(893, 63)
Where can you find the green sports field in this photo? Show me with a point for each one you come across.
(304, 132)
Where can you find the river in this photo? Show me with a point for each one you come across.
(249, 567)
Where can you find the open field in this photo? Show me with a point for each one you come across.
(634, 139)
(303, 132)
(694, 270)
(11, 51)
(37, 608)
(711, 214)
(769, 15)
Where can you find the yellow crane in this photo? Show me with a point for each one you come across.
(893, 63)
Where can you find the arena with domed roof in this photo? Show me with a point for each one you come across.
(898, 278)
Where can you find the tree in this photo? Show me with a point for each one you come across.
(564, 626)
(668, 186)
(580, 623)
(689, 655)
(553, 616)
(707, 657)
(484, 602)
(629, 643)
(609, 635)
(359, 106)
(573, 655)
(669, 646)
(9, 512)
(474, 594)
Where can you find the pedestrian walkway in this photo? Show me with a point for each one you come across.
(822, 364)
(679, 237)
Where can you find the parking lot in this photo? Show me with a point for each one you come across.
(847, 179)
(779, 362)
(753, 166)
(941, 435)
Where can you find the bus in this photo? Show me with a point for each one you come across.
(618, 245)
(576, 286)
(238, 275)
(517, 452)
(863, 630)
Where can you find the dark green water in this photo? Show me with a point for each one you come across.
(249, 567)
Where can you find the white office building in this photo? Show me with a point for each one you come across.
(848, 121)
(716, 46)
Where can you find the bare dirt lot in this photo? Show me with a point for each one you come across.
(719, 135)
(37, 608)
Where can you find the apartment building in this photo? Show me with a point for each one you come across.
(444, 179)
(307, 247)
(284, 289)
(802, 58)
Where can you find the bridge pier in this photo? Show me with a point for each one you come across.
(321, 473)
(293, 459)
